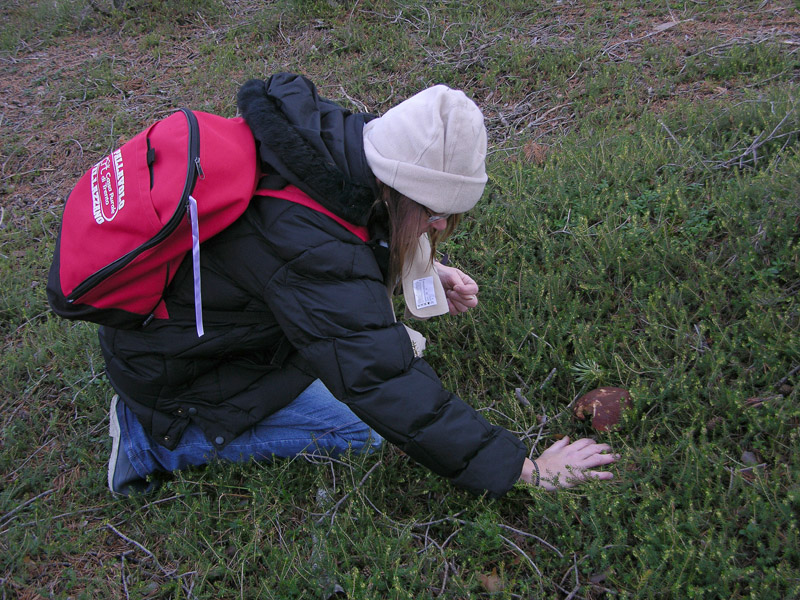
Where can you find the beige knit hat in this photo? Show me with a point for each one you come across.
(432, 149)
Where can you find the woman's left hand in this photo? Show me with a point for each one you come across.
(460, 289)
(565, 465)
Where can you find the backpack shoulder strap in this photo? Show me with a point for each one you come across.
(295, 194)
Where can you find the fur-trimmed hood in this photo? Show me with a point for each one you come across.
(310, 142)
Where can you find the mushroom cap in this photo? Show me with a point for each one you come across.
(604, 405)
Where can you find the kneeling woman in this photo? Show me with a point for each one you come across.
(356, 208)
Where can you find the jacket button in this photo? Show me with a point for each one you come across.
(166, 438)
(193, 411)
(219, 440)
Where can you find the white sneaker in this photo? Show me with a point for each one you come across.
(122, 477)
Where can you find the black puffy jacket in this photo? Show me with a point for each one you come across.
(319, 293)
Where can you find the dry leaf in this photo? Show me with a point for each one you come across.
(759, 401)
(492, 583)
(664, 26)
(535, 153)
(598, 578)
(749, 458)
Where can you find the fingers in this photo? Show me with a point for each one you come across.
(575, 476)
(566, 464)
(582, 444)
(457, 280)
(456, 308)
(460, 288)
(591, 449)
(597, 460)
(459, 300)
(557, 446)
(459, 303)
(603, 475)
(467, 287)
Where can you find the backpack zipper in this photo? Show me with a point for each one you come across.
(193, 170)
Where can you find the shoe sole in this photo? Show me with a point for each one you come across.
(114, 433)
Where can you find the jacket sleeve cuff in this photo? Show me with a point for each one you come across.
(496, 469)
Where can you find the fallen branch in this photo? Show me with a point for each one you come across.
(752, 149)
(658, 29)
(336, 506)
(171, 575)
(789, 375)
(455, 519)
(523, 553)
(142, 548)
(548, 378)
(6, 518)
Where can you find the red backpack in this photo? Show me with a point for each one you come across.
(133, 217)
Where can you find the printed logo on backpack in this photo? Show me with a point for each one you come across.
(108, 187)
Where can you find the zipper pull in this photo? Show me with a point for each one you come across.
(199, 168)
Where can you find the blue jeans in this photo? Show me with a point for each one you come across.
(314, 422)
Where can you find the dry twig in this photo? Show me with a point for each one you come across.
(6, 518)
(332, 511)
(789, 375)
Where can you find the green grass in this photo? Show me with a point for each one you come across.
(640, 229)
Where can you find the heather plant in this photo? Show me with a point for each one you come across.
(639, 230)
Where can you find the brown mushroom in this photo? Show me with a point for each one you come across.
(604, 405)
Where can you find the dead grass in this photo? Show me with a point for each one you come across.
(52, 153)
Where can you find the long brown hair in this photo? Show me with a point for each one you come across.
(405, 217)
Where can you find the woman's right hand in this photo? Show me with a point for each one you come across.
(565, 465)
(460, 289)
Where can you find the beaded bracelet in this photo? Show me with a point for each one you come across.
(536, 466)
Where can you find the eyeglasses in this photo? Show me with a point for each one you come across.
(433, 217)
